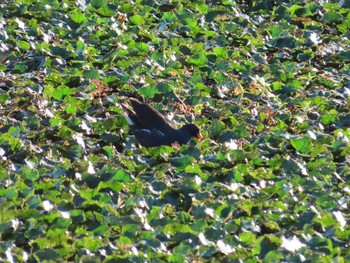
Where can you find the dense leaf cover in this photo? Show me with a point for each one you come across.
(267, 81)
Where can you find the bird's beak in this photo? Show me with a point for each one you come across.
(199, 136)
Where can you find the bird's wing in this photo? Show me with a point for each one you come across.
(151, 118)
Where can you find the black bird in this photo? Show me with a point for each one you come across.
(152, 129)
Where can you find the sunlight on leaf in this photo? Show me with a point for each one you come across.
(291, 244)
(225, 248)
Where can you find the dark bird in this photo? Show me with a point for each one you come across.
(152, 129)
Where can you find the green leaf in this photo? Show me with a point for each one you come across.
(273, 257)
(275, 31)
(4, 97)
(181, 161)
(122, 176)
(302, 145)
(78, 17)
(105, 11)
(328, 119)
(98, 3)
(48, 254)
(3, 173)
(176, 258)
(113, 185)
(190, 21)
(61, 52)
(15, 143)
(148, 91)
(247, 237)
(108, 150)
(11, 193)
(20, 68)
(332, 17)
(65, 132)
(91, 74)
(169, 17)
(30, 174)
(61, 92)
(216, 128)
(126, 8)
(220, 52)
(165, 88)
(91, 243)
(24, 45)
(267, 244)
(72, 109)
(142, 48)
(198, 60)
(343, 28)
(137, 20)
